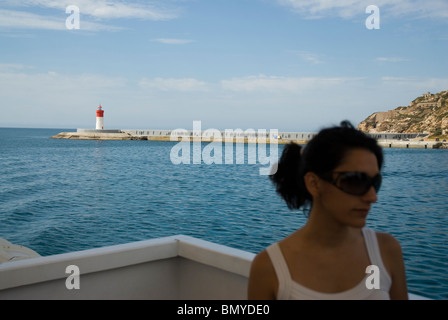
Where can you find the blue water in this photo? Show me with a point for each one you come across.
(59, 196)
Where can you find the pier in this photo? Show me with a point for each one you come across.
(385, 140)
(227, 136)
(412, 144)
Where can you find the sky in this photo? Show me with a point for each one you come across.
(289, 65)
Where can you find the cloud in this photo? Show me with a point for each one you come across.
(10, 67)
(183, 85)
(311, 57)
(51, 98)
(25, 20)
(18, 14)
(18, 19)
(391, 59)
(17, 83)
(107, 9)
(264, 83)
(172, 41)
(351, 8)
(321, 8)
(424, 84)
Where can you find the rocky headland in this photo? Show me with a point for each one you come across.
(427, 114)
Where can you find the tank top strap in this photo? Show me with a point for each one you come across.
(373, 250)
(372, 247)
(281, 270)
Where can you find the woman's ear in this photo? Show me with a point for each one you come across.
(312, 183)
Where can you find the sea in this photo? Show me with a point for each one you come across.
(59, 196)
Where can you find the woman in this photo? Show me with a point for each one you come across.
(337, 175)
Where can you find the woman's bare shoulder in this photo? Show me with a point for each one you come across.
(262, 279)
(388, 243)
(262, 265)
(262, 257)
(392, 255)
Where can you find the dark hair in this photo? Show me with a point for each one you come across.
(322, 154)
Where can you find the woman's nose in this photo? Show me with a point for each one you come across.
(371, 195)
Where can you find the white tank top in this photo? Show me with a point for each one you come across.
(291, 290)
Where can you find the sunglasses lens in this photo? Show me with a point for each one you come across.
(358, 183)
(377, 182)
(353, 183)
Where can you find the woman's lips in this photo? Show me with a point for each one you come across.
(362, 212)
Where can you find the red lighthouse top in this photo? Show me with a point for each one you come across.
(99, 112)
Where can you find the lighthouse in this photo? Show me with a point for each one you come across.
(99, 118)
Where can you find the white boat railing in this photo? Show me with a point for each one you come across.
(171, 268)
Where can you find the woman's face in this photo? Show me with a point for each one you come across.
(346, 208)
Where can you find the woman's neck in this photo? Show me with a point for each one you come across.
(323, 230)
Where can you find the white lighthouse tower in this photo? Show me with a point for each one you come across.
(99, 118)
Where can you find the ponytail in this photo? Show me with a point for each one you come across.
(288, 179)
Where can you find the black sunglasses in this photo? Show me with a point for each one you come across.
(353, 182)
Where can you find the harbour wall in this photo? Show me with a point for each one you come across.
(99, 131)
(386, 140)
(412, 144)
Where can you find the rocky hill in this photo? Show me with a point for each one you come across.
(425, 114)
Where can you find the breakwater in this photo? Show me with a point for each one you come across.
(386, 140)
(210, 135)
(413, 144)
